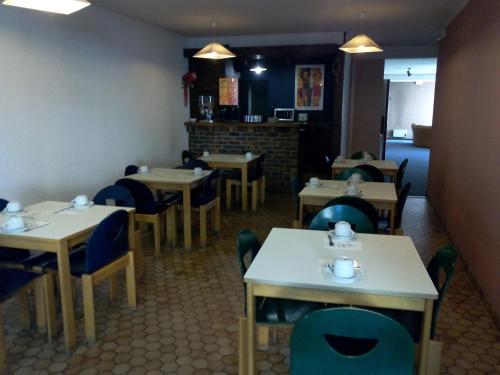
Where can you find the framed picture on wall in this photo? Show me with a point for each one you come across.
(309, 87)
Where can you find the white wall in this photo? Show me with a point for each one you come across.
(409, 104)
(81, 97)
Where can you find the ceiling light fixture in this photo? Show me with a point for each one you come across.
(214, 51)
(258, 69)
(361, 43)
(53, 6)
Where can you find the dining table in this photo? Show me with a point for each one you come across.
(387, 167)
(173, 179)
(294, 264)
(382, 195)
(57, 227)
(237, 162)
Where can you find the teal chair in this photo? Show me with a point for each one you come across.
(350, 341)
(444, 260)
(375, 173)
(346, 173)
(361, 214)
(362, 155)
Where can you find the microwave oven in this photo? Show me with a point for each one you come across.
(284, 114)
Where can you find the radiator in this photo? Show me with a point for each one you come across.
(399, 133)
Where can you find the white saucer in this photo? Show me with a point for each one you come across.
(85, 206)
(345, 238)
(17, 230)
(13, 213)
(328, 271)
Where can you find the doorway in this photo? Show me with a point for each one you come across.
(410, 101)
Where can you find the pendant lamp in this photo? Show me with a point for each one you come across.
(214, 51)
(361, 43)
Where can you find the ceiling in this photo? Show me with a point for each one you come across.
(423, 69)
(389, 22)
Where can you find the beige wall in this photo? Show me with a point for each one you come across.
(366, 105)
(409, 104)
(464, 178)
(82, 96)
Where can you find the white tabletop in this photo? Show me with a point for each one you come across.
(61, 224)
(380, 164)
(228, 158)
(170, 175)
(390, 264)
(370, 191)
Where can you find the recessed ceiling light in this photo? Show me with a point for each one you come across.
(53, 6)
(258, 69)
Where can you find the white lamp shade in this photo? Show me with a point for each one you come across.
(53, 6)
(214, 51)
(361, 44)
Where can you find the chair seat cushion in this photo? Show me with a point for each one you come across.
(39, 260)
(168, 199)
(274, 310)
(14, 280)
(13, 255)
(201, 200)
(77, 262)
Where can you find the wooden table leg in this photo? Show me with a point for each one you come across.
(68, 312)
(425, 337)
(333, 173)
(250, 358)
(242, 342)
(244, 188)
(393, 218)
(301, 214)
(186, 210)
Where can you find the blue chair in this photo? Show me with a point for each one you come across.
(187, 156)
(150, 211)
(204, 200)
(361, 214)
(256, 179)
(16, 282)
(131, 169)
(106, 252)
(374, 172)
(347, 173)
(11, 256)
(350, 341)
(269, 311)
(117, 195)
(195, 163)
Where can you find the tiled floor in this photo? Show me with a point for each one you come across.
(186, 320)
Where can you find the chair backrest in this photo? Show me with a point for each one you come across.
(208, 190)
(444, 260)
(247, 242)
(361, 214)
(346, 173)
(131, 169)
(187, 156)
(401, 173)
(403, 195)
(3, 203)
(116, 193)
(259, 165)
(143, 197)
(377, 175)
(108, 241)
(323, 341)
(295, 188)
(362, 155)
(194, 163)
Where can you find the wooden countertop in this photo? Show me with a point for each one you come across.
(206, 124)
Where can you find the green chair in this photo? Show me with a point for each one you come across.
(383, 222)
(269, 311)
(361, 214)
(444, 260)
(350, 341)
(375, 173)
(400, 174)
(362, 155)
(346, 173)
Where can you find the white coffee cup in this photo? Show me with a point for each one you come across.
(198, 171)
(355, 177)
(143, 169)
(344, 267)
(352, 190)
(14, 223)
(13, 206)
(314, 181)
(339, 159)
(206, 154)
(249, 155)
(343, 229)
(80, 200)
(367, 156)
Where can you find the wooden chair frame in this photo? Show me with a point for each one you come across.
(258, 191)
(166, 219)
(214, 207)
